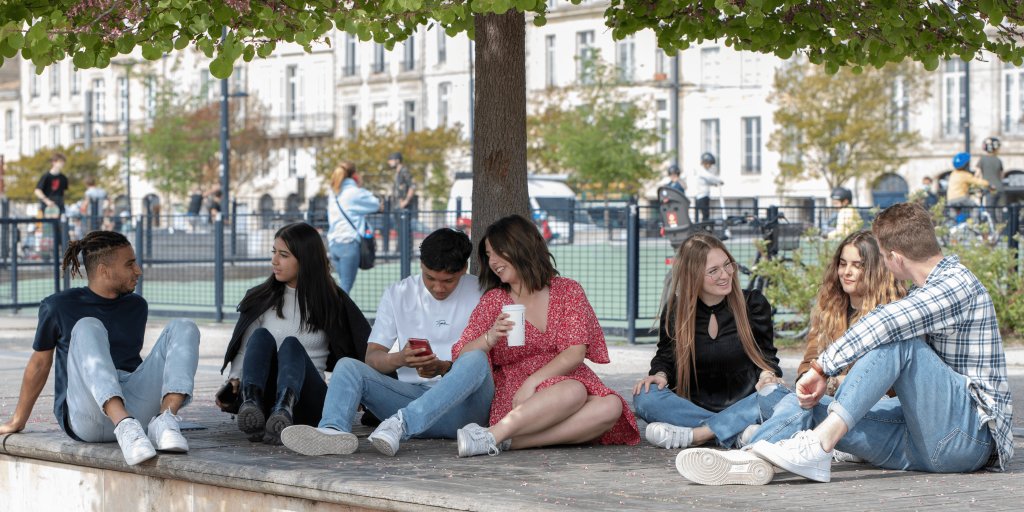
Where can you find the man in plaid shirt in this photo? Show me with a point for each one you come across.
(939, 348)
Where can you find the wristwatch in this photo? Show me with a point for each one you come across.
(817, 368)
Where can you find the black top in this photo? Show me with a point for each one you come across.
(724, 374)
(195, 204)
(124, 318)
(53, 187)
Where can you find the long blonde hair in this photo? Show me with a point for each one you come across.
(681, 294)
(877, 284)
(344, 170)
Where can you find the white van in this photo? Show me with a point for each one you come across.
(550, 200)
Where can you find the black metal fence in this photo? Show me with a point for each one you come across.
(202, 267)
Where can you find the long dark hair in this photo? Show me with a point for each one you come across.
(518, 241)
(319, 296)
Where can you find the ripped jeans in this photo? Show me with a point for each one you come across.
(665, 406)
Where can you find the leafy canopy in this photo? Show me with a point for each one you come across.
(868, 32)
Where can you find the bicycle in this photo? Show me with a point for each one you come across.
(960, 228)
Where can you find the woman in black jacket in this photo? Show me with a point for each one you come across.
(291, 329)
(708, 367)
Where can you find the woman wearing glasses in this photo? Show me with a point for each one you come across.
(715, 352)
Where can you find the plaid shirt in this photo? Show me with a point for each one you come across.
(954, 313)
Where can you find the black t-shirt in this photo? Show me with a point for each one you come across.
(123, 317)
(53, 187)
(195, 204)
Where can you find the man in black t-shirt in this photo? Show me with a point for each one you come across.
(51, 187)
(102, 387)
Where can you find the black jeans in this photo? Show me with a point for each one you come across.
(271, 368)
(704, 209)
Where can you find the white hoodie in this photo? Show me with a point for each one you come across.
(699, 182)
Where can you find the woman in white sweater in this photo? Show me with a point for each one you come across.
(291, 329)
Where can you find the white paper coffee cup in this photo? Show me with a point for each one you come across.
(517, 334)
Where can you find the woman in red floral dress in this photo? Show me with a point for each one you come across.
(544, 393)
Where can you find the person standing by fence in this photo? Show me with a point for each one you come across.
(701, 184)
(990, 168)
(51, 187)
(347, 207)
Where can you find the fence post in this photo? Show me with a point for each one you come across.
(572, 219)
(140, 238)
(65, 230)
(632, 271)
(234, 229)
(218, 268)
(386, 230)
(405, 242)
(15, 240)
(458, 209)
(5, 230)
(1013, 229)
(773, 220)
(94, 215)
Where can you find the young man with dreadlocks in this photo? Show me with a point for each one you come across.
(103, 389)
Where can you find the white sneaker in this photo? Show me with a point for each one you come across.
(846, 457)
(666, 435)
(746, 436)
(388, 434)
(802, 455)
(165, 434)
(309, 440)
(505, 445)
(707, 466)
(476, 441)
(133, 441)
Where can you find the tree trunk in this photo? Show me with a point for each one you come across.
(499, 122)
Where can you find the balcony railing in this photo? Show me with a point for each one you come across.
(1013, 126)
(297, 125)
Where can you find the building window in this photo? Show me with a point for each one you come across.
(409, 123)
(9, 124)
(584, 53)
(751, 147)
(660, 64)
(901, 106)
(380, 114)
(954, 96)
(204, 84)
(293, 162)
(663, 125)
(1013, 99)
(55, 79)
(76, 82)
(34, 139)
(625, 60)
(352, 120)
(99, 101)
(444, 90)
(710, 67)
(33, 84)
(550, 57)
(292, 91)
(151, 91)
(442, 46)
(54, 135)
(351, 46)
(710, 142)
(409, 54)
(750, 73)
(379, 58)
(122, 103)
(77, 131)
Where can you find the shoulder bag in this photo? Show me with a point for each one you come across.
(367, 244)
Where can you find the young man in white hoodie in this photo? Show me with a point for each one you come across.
(700, 183)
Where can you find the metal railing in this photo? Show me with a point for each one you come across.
(202, 267)
(319, 123)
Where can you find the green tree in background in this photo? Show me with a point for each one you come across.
(21, 176)
(843, 126)
(425, 153)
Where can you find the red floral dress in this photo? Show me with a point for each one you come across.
(571, 321)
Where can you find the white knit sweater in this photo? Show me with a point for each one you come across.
(315, 343)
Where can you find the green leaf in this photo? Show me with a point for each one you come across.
(16, 40)
(223, 14)
(221, 68)
(755, 19)
(150, 52)
(84, 59)
(181, 43)
(539, 21)
(249, 53)
(126, 44)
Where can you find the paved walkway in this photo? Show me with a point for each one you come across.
(426, 474)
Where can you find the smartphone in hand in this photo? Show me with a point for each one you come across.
(421, 343)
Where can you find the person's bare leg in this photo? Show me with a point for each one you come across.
(702, 435)
(596, 417)
(114, 409)
(547, 407)
(831, 431)
(173, 402)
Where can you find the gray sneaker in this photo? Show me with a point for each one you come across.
(133, 441)
(839, 456)
(309, 440)
(505, 445)
(666, 435)
(476, 441)
(165, 434)
(744, 438)
(388, 434)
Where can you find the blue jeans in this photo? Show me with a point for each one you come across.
(665, 406)
(92, 379)
(462, 396)
(272, 369)
(933, 426)
(345, 258)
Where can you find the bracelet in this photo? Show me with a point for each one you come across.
(487, 337)
(766, 372)
(663, 374)
(817, 367)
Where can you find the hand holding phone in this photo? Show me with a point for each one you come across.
(418, 343)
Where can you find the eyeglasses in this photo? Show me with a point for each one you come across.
(728, 268)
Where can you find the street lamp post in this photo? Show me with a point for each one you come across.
(127, 130)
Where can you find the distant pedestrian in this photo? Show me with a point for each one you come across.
(51, 187)
(990, 168)
(958, 192)
(701, 186)
(674, 181)
(403, 191)
(347, 207)
(213, 204)
(929, 199)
